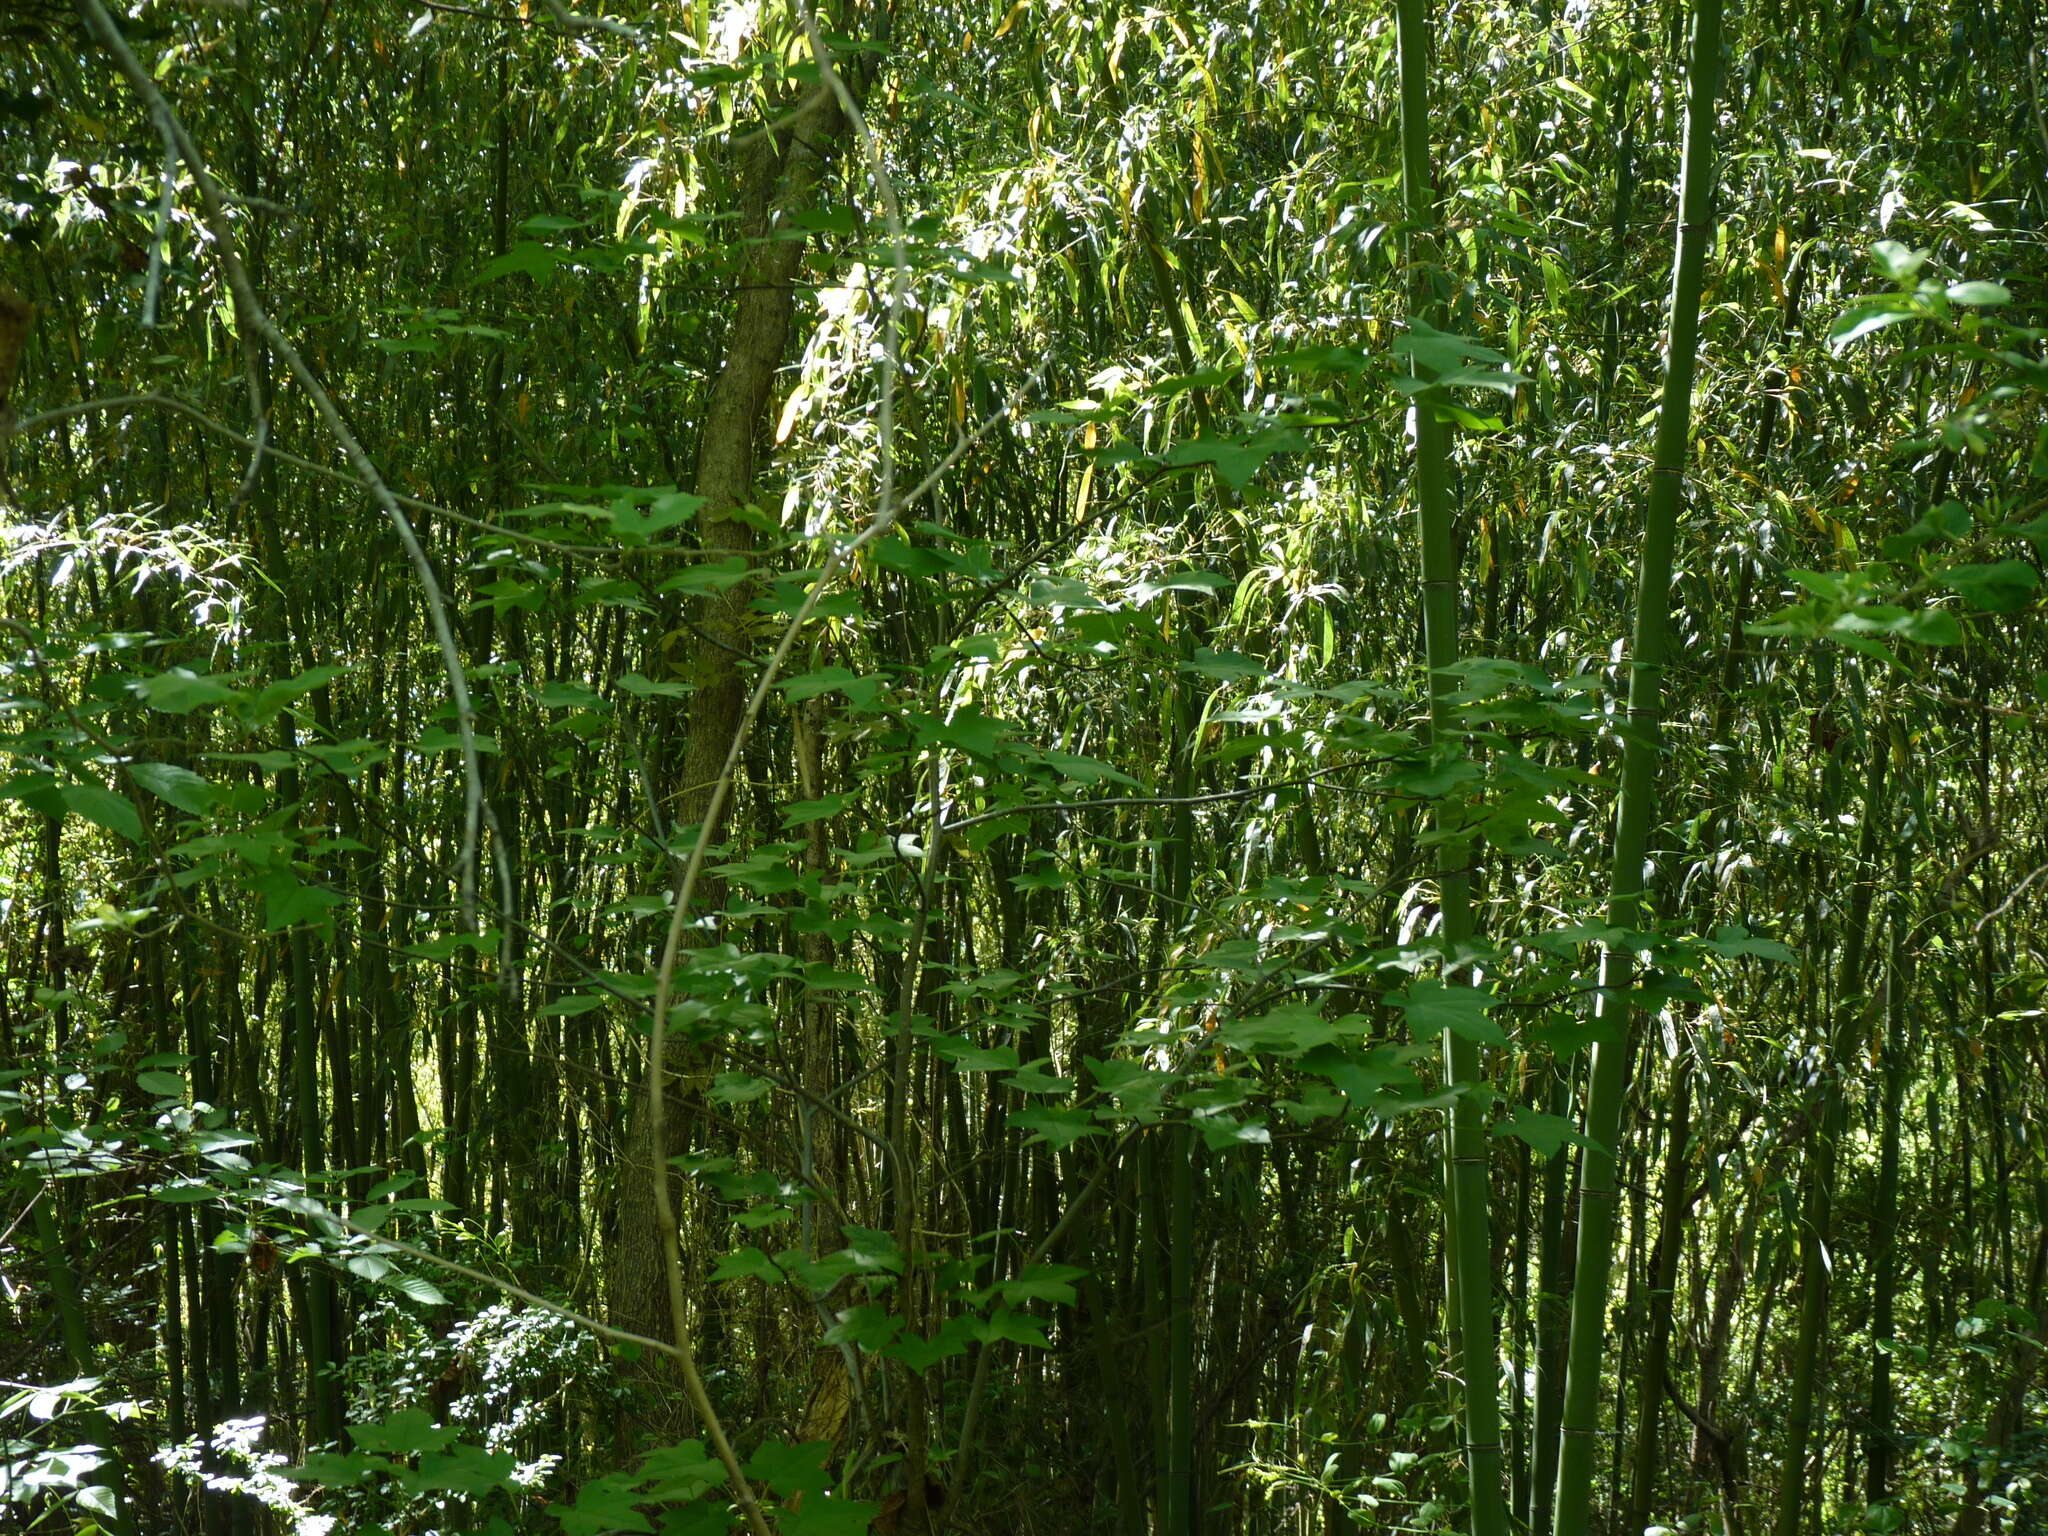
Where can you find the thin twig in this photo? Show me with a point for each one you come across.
(574, 21)
(1999, 910)
(124, 403)
(1154, 801)
(499, 1283)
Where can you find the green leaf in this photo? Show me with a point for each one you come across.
(180, 691)
(1363, 1076)
(330, 1469)
(273, 700)
(1056, 1127)
(1547, 1134)
(736, 1088)
(679, 1472)
(1236, 460)
(712, 576)
(465, 1469)
(1223, 666)
(872, 1249)
(180, 787)
(407, 1432)
(1084, 770)
(804, 812)
(568, 695)
(897, 553)
(525, 258)
(1435, 351)
(574, 1005)
(1435, 1006)
(604, 1507)
(1437, 779)
(441, 739)
(1738, 942)
(1209, 583)
(1980, 294)
(1860, 320)
(703, 1518)
(630, 517)
(1323, 360)
(1897, 262)
(809, 685)
(1932, 626)
(1134, 1086)
(921, 1354)
(647, 688)
(190, 1193)
(37, 791)
(1031, 1080)
(101, 806)
(1042, 1282)
(1288, 1030)
(1221, 1132)
(1501, 380)
(1016, 1328)
(2002, 587)
(792, 1469)
(969, 729)
(413, 1288)
(870, 1327)
(165, 1085)
(98, 1499)
(287, 901)
(747, 1264)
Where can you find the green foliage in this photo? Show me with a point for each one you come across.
(1055, 1096)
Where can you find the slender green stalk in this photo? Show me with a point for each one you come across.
(1816, 1222)
(1468, 1246)
(1553, 1292)
(1179, 1515)
(1880, 1449)
(1637, 808)
(1646, 1457)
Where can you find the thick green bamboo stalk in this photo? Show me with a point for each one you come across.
(1637, 808)
(1469, 1247)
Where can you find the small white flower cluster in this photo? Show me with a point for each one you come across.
(259, 1473)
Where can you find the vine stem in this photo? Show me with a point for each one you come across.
(253, 315)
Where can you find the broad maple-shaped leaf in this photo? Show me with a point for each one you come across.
(1435, 1006)
(792, 1469)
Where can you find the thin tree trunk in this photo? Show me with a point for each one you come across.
(779, 177)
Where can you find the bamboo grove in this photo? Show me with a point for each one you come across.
(1219, 768)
